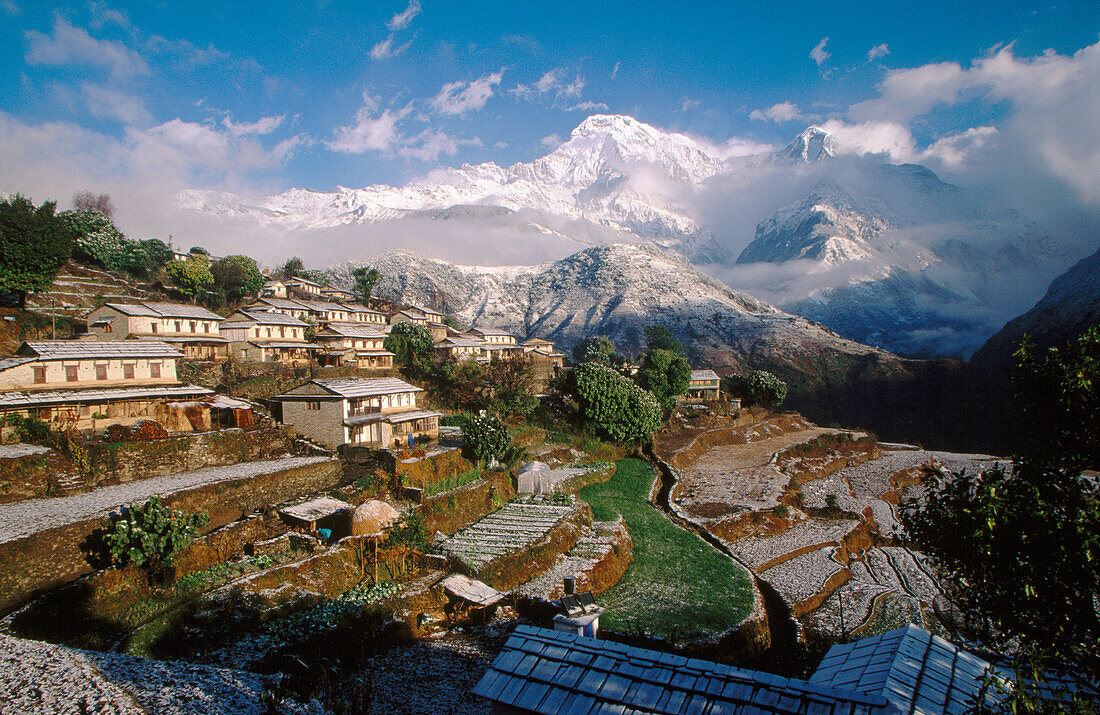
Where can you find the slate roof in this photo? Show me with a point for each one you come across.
(315, 509)
(165, 310)
(267, 317)
(102, 349)
(704, 375)
(489, 331)
(133, 309)
(64, 397)
(351, 330)
(913, 669)
(356, 387)
(284, 303)
(320, 306)
(471, 590)
(14, 362)
(550, 672)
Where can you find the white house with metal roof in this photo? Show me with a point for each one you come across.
(704, 385)
(193, 329)
(303, 285)
(355, 344)
(375, 412)
(71, 383)
(268, 336)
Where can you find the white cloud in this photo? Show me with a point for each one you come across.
(955, 149)
(402, 19)
(260, 127)
(615, 71)
(552, 84)
(429, 144)
(103, 15)
(107, 103)
(70, 45)
(778, 113)
(818, 53)
(890, 138)
(369, 133)
(551, 141)
(461, 97)
(686, 105)
(587, 106)
(734, 147)
(877, 51)
(386, 49)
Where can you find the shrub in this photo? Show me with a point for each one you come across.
(484, 438)
(118, 433)
(614, 404)
(149, 430)
(149, 536)
(781, 511)
(766, 389)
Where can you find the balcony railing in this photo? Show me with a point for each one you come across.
(371, 410)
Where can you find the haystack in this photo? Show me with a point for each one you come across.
(372, 517)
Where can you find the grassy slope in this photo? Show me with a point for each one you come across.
(679, 587)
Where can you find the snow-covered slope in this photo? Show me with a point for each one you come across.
(613, 171)
(813, 144)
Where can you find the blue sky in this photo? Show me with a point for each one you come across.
(331, 93)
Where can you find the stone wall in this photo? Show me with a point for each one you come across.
(518, 567)
(449, 511)
(324, 425)
(28, 476)
(52, 557)
(116, 462)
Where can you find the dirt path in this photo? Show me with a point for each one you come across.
(22, 519)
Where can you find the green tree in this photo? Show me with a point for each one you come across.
(366, 278)
(1019, 547)
(484, 438)
(600, 350)
(766, 389)
(192, 277)
(511, 380)
(615, 404)
(97, 239)
(149, 535)
(666, 374)
(34, 243)
(238, 276)
(293, 267)
(657, 337)
(412, 345)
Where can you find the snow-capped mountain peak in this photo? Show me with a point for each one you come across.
(813, 144)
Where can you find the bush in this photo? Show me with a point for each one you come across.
(31, 430)
(149, 536)
(149, 430)
(118, 433)
(614, 404)
(766, 389)
(484, 438)
(412, 345)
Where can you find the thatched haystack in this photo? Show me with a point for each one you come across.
(372, 517)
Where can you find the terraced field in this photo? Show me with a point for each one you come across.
(511, 528)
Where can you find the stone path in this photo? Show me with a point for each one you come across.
(21, 519)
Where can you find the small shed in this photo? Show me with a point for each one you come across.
(320, 513)
(579, 615)
(534, 478)
(372, 518)
(470, 599)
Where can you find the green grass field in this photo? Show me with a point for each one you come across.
(679, 587)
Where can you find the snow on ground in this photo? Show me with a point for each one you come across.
(21, 519)
(758, 550)
(43, 678)
(803, 576)
(13, 451)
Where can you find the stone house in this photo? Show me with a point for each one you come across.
(492, 336)
(334, 293)
(704, 385)
(460, 348)
(361, 314)
(286, 306)
(268, 336)
(355, 344)
(92, 383)
(374, 412)
(303, 286)
(194, 330)
(409, 315)
(273, 289)
(324, 312)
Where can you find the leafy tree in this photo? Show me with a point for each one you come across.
(666, 374)
(365, 280)
(238, 276)
(192, 277)
(657, 337)
(87, 201)
(34, 244)
(614, 404)
(600, 350)
(97, 239)
(511, 380)
(310, 331)
(149, 535)
(411, 344)
(1019, 547)
(143, 258)
(293, 267)
(484, 438)
(766, 389)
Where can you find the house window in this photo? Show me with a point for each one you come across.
(269, 332)
(128, 371)
(155, 327)
(257, 332)
(282, 332)
(179, 326)
(101, 372)
(108, 328)
(39, 374)
(193, 324)
(206, 327)
(71, 373)
(313, 405)
(154, 369)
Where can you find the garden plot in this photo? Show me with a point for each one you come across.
(758, 550)
(511, 528)
(804, 576)
(918, 582)
(592, 547)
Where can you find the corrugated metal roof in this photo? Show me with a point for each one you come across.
(704, 375)
(265, 317)
(86, 349)
(547, 671)
(352, 330)
(56, 397)
(913, 669)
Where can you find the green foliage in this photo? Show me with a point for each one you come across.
(1019, 547)
(192, 277)
(410, 532)
(781, 511)
(293, 267)
(512, 382)
(614, 404)
(31, 430)
(317, 276)
(365, 280)
(97, 239)
(34, 244)
(459, 480)
(411, 344)
(678, 586)
(484, 438)
(600, 350)
(149, 535)
(310, 331)
(237, 276)
(766, 389)
(657, 337)
(143, 258)
(666, 374)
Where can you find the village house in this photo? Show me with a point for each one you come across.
(374, 412)
(408, 315)
(334, 293)
(273, 289)
(492, 336)
(286, 306)
(361, 314)
(460, 348)
(704, 385)
(324, 312)
(354, 344)
(194, 330)
(303, 286)
(86, 384)
(268, 336)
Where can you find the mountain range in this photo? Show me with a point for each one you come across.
(882, 253)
